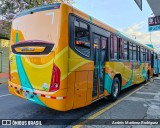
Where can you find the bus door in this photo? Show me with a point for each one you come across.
(100, 44)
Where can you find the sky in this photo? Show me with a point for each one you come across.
(123, 15)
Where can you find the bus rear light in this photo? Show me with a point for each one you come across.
(55, 81)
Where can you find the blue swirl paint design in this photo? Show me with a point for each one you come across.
(25, 83)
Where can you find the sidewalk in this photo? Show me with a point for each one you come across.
(142, 104)
(3, 78)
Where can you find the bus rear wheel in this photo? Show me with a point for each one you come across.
(115, 90)
(157, 74)
(147, 77)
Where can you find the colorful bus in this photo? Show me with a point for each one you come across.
(156, 60)
(156, 69)
(64, 59)
(159, 62)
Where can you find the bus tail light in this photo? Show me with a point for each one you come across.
(55, 81)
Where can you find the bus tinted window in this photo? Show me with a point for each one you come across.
(144, 54)
(104, 48)
(134, 52)
(121, 49)
(149, 56)
(141, 52)
(115, 47)
(111, 48)
(130, 51)
(82, 40)
(125, 50)
(138, 54)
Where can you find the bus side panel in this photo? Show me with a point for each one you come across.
(131, 73)
(122, 68)
(83, 70)
(90, 87)
(70, 90)
(137, 73)
(80, 89)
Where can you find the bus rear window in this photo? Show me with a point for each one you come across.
(82, 40)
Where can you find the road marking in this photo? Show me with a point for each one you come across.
(105, 109)
(148, 93)
(3, 83)
(5, 95)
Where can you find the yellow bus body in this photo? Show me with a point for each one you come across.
(30, 75)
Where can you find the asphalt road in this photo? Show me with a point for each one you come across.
(12, 107)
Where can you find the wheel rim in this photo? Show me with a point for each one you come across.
(115, 89)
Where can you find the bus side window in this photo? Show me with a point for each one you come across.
(149, 56)
(141, 52)
(121, 49)
(134, 52)
(104, 48)
(82, 38)
(130, 51)
(138, 56)
(113, 47)
(144, 54)
(125, 50)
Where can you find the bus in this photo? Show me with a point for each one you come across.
(156, 61)
(64, 59)
(156, 66)
(159, 62)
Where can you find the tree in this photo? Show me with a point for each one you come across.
(9, 8)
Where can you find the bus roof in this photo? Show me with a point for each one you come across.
(38, 9)
(111, 29)
(85, 16)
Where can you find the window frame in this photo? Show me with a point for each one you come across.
(90, 38)
(126, 43)
(112, 41)
(134, 45)
(130, 44)
(121, 49)
(144, 54)
(141, 53)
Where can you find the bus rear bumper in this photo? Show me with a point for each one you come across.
(55, 100)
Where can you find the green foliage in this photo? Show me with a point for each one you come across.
(4, 36)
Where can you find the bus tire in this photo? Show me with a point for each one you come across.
(157, 75)
(148, 77)
(115, 90)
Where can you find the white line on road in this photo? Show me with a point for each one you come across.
(5, 95)
(148, 93)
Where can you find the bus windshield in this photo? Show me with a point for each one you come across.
(41, 25)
